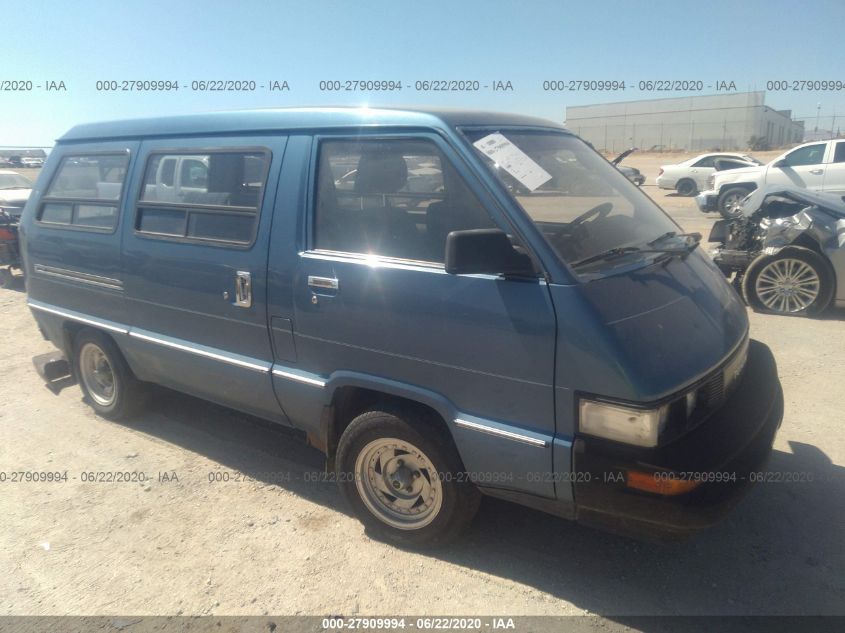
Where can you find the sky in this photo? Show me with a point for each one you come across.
(303, 43)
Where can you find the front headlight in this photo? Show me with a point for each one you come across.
(640, 427)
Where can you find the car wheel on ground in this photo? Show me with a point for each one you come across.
(106, 380)
(729, 201)
(403, 477)
(795, 281)
(686, 187)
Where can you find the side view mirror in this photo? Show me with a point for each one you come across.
(781, 163)
(485, 251)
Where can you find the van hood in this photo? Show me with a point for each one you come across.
(667, 325)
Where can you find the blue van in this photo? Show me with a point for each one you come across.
(447, 303)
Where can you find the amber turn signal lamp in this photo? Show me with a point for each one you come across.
(653, 482)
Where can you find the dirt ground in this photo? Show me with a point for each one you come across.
(279, 543)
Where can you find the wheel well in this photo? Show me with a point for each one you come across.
(350, 402)
(807, 242)
(748, 186)
(71, 330)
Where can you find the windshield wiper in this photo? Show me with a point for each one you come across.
(691, 241)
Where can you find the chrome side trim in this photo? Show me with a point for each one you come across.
(111, 326)
(299, 377)
(207, 352)
(375, 261)
(80, 277)
(516, 437)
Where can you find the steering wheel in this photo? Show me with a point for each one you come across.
(600, 211)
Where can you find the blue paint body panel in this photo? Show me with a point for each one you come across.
(503, 361)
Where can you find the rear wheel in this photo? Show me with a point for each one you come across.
(796, 281)
(729, 201)
(108, 384)
(686, 187)
(404, 478)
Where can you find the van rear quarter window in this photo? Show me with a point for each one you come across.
(209, 196)
(85, 191)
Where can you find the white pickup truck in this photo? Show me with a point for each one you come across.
(818, 166)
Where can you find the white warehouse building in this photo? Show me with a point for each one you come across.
(721, 122)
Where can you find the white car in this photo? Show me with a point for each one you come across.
(14, 191)
(30, 161)
(818, 166)
(690, 176)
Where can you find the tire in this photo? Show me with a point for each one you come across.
(686, 187)
(796, 281)
(98, 363)
(6, 278)
(729, 201)
(438, 501)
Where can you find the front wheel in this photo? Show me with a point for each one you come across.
(404, 479)
(730, 200)
(796, 281)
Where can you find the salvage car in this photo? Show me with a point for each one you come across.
(631, 173)
(690, 176)
(533, 328)
(818, 166)
(785, 252)
(14, 192)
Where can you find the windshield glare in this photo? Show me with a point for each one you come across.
(582, 204)
(14, 181)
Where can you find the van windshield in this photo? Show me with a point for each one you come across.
(589, 212)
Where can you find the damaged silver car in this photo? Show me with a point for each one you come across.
(786, 251)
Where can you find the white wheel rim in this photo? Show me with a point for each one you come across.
(787, 285)
(97, 374)
(398, 483)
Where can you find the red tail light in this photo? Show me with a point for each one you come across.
(6, 234)
(660, 173)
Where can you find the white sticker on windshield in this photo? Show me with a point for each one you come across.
(513, 160)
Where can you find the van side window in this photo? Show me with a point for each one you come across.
(85, 192)
(393, 198)
(211, 196)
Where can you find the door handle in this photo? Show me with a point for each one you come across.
(323, 283)
(243, 289)
(817, 172)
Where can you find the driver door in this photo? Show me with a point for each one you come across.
(803, 167)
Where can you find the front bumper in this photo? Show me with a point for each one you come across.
(707, 201)
(725, 452)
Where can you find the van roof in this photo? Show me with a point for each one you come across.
(276, 119)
